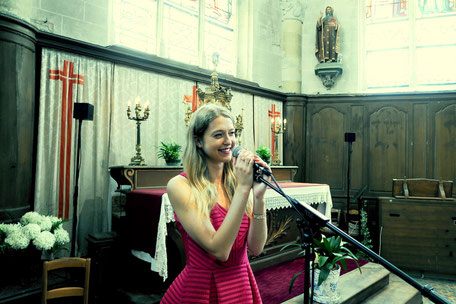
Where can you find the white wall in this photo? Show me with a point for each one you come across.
(85, 20)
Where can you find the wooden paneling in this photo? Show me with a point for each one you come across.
(356, 126)
(445, 142)
(419, 146)
(411, 135)
(294, 149)
(17, 112)
(387, 147)
(325, 138)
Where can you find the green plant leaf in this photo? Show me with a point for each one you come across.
(324, 273)
(293, 280)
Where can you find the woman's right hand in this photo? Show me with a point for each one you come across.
(243, 168)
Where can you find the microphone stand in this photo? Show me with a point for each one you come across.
(313, 219)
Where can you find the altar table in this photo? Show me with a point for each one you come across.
(149, 211)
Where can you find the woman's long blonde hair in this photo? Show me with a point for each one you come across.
(195, 162)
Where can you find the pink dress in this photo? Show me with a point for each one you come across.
(207, 280)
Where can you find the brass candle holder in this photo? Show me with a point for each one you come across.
(238, 127)
(277, 127)
(139, 116)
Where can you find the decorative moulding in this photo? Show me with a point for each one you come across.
(328, 72)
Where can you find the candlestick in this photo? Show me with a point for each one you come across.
(139, 116)
(277, 127)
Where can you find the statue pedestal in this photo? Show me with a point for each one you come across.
(328, 72)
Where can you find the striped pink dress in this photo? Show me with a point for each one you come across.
(207, 280)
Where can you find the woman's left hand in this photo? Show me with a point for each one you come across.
(260, 188)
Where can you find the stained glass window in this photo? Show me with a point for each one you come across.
(184, 32)
(180, 31)
(134, 21)
(410, 44)
(219, 35)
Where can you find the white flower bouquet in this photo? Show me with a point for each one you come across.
(33, 231)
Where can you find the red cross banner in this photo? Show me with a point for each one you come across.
(273, 114)
(193, 99)
(66, 79)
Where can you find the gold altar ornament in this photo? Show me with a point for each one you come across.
(139, 116)
(216, 93)
(277, 127)
(238, 127)
(188, 113)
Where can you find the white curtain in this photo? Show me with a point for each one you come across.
(166, 120)
(264, 109)
(67, 79)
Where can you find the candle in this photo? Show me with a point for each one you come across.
(137, 101)
(129, 103)
(147, 105)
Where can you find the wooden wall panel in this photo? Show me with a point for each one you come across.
(325, 149)
(387, 147)
(412, 135)
(294, 146)
(357, 122)
(419, 147)
(17, 114)
(445, 142)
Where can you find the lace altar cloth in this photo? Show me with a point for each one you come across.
(316, 195)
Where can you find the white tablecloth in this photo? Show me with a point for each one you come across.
(316, 195)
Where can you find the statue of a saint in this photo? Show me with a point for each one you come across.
(327, 41)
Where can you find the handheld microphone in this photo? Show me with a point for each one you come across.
(256, 168)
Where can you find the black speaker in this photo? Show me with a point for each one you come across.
(83, 111)
(350, 137)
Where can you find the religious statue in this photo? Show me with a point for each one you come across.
(327, 41)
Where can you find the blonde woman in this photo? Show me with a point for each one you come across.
(220, 213)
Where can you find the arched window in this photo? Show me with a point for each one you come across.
(189, 31)
(410, 45)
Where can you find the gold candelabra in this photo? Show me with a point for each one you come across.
(277, 127)
(139, 116)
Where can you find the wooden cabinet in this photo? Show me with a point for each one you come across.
(419, 235)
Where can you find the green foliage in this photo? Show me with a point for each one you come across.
(329, 251)
(366, 238)
(169, 152)
(264, 153)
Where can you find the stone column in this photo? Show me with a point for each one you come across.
(292, 14)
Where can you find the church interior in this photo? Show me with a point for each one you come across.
(351, 102)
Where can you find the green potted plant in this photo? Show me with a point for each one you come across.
(329, 251)
(264, 154)
(170, 153)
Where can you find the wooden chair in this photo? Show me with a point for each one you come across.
(62, 263)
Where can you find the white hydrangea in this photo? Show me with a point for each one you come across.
(45, 223)
(54, 219)
(44, 241)
(31, 230)
(17, 240)
(61, 236)
(10, 228)
(31, 217)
